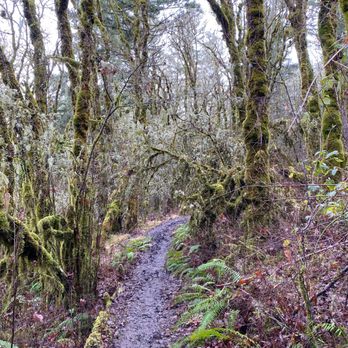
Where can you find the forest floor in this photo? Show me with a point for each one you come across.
(143, 314)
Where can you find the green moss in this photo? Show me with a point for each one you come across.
(310, 123)
(100, 329)
(113, 219)
(218, 188)
(331, 126)
(6, 233)
(81, 120)
(54, 226)
(344, 9)
(255, 126)
(3, 267)
(39, 59)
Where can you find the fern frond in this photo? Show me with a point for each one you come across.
(200, 288)
(332, 328)
(187, 296)
(220, 267)
(201, 335)
(213, 313)
(209, 308)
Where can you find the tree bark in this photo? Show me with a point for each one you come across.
(66, 48)
(226, 17)
(256, 130)
(332, 126)
(83, 265)
(39, 58)
(298, 21)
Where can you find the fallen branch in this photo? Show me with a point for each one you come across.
(331, 284)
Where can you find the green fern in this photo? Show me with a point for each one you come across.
(199, 336)
(181, 235)
(5, 344)
(221, 269)
(207, 307)
(333, 329)
(129, 253)
(202, 335)
(207, 302)
(83, 320)
(177, 263)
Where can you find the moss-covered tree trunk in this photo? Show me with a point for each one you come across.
(39, 58)
(332, 128)
(298, 20)
(141, 31)
(256, 132)
(225, 16)
(66, 47)
(7, 151)
(35, 186)
(10, 80)
(81, 224)
(344, 9)
(8, 75)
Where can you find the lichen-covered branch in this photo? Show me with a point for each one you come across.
(31, 246)
(8, 74)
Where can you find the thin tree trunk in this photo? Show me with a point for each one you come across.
(40, 60)
(65, 35)
(225, 16)
(297, 17)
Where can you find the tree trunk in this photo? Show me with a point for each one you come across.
(40, 60)
(64, 30)
(225, 16)
(297, 17)
(256, 131)
(332, 127)
(84, 263)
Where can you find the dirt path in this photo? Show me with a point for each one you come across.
(142, 315)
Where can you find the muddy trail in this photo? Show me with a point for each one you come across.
(142, 316)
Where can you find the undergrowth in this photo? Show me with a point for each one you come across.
(128, 254)
(210, 288)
